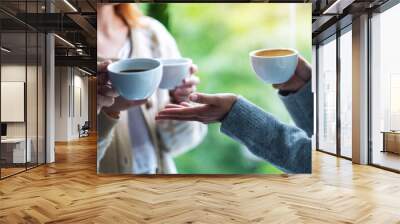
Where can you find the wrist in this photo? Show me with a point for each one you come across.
(293, 85)
(300, 82)
(231, 100)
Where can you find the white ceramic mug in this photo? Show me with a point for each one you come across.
(174, 71)
(274, 66)
(140, 82)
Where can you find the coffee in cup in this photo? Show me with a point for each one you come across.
(274, 66)
(135, 79)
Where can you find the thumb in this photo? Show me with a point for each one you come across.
(204, 98)
(102, 66)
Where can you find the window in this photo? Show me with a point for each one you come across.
(385, 89)
(22, 91)
(327, 97)
(346, 94)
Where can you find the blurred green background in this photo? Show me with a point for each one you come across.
(219, 37)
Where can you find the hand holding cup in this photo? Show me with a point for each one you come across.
(105, 93)
(301, 76)
(285, 69)
(134, 80)
(186, 87)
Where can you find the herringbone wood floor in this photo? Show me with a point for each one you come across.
(69, 191)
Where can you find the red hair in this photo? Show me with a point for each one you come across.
(129, 13)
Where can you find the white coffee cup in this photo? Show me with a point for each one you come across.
(174, 71)
(135, 79)
(274, 66)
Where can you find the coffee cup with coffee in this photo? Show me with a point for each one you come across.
(135, 79)
(274, 66)
(174, 71)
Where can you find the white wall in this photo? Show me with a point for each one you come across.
(33, 126)
(61, 104)
(81, 102)
(71, 93)
(16, 73)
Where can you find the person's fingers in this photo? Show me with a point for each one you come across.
(193, 69)
(303, 69)
(124, 103)
(184, 85)
(178, 118)
(101, 79)
(102, 66)
(173, 106)
(184, 111)
(204, 98)
(185, 116)
(175, 112)
(183, 91)
(205, 120)
(302, 61)
(293, 84)
(107, 90)
(191, 81)
(104, 101)
(277, 86)
(185, 104)
(136, 102)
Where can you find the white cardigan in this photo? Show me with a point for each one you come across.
(170, 138)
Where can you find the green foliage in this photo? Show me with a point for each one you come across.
(218, 37)
(159, 11)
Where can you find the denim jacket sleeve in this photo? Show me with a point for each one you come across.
(286, 146)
